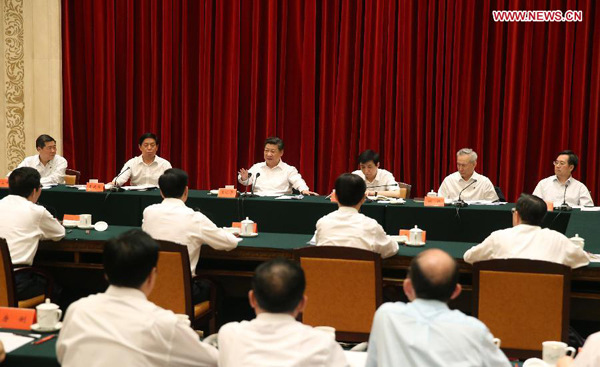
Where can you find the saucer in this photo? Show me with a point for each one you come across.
(249, 235)
(418, 244)
(214, 192)
(535, 362)
(37, 327)
(85, 227)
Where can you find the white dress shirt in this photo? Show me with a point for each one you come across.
(122, 328)
(272, 340)
(173, 221)
(427, 333)
(140, 173)
(52, 173)
(550, 189)
(528, 242)
(453, 184)
(347, 227)
(589, 356)
(384, 180)
(274, 181)
(23, 224)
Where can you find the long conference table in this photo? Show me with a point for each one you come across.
(285, 225)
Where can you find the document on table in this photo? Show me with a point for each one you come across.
(590, 208)
(594, 258)
(12, 341)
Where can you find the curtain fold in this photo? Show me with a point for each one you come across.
(414, 80)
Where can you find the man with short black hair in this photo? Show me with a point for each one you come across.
(274, 337)
(465, 183)
(349, 228)
(23, 224)
(173, 221)
(146, 168)
(120, 327)
(425, 332)
(276, 177)
(378, 180)
(562, 186)
(50, 165)
(527, 240)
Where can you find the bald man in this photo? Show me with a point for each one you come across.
(425, 332)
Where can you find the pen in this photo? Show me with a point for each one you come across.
(45, 339)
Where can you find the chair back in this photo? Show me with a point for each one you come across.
(522, 302)
(72, 172)
(406, 188)
(173, 290)
(344, 289)
(8, 296)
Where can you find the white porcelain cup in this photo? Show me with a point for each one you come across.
(328, 329)
(579, 241)
(85, 220)
(93, 180)
(432, 194)
(552, 351)
(247, 227)
(48, 314)
(229, 186)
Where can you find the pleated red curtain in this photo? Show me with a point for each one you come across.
(415, 80)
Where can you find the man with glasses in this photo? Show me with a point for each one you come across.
(562, 187)
(146, 168)
(50, 165)
(465, 182)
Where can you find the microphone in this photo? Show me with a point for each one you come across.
(116, 187)
(460, 202)
(246, 191)
(564, 206)
(254, 184)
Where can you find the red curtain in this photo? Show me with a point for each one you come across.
(414, 80)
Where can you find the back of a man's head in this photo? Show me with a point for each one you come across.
(23, 181)
(129, 258)
(349, 189)
(434, 275)
(172, 183)
(279, 285)
(531, 209)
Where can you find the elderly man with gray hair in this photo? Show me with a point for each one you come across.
(465, 182)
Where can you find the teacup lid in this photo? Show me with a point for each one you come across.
(577, 238)
(247, 220)
(416, 229)
(47, 305)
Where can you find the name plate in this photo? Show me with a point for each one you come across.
(72, 217)
(94, 187)
(406, 232)
(4, 183)
(239, 225)
(227, 193)
(434, 201)
(16, 318)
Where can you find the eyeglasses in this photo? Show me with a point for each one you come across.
(559, 163)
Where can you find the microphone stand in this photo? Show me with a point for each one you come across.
(564, 206)
(116, 187)
(251, 194)
(460, 203)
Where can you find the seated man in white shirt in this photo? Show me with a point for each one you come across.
(562, 187)
(146, 168)
(425, 332)
(466, 184)
(273, 177)
(378, 180)
(50, 165)
(274, 337)
(527, 240)
(23, 224)
(347, 227)
(173, 221)
(120, 327)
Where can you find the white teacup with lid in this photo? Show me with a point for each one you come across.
(432, 194)
(415, 236)
(48, 315)
(247, 227)
(579, 241)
